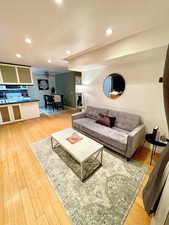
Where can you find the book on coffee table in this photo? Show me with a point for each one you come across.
(74, 138)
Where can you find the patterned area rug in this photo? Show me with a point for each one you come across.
(104, 198)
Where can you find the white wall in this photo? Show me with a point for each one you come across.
(143, 94)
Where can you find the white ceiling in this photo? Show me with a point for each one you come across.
(147, 55)
(76, 25)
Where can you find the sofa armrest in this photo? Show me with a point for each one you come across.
(78, 115)
(135, 139)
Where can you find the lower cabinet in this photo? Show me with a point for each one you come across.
(30, 110)
(5, 115)
(10, 113)
(16, 112)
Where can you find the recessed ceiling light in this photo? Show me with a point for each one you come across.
(49, 61)
(18, 55)
(59, 2)
(108, 31)
(28, 40)
(68, 52)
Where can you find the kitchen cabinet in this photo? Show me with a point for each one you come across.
(4, 114)
(15, 75)
(8, 74)
(30, 110)
(24, 75)
(17, 112)
(10, 113)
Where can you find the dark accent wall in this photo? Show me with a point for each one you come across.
(65, 84)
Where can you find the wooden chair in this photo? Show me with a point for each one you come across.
(58, 101)
(49, 101)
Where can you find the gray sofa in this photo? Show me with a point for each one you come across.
(125, 137)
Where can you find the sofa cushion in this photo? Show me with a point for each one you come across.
(93, 112)
(106, 120)
(113, 136)
(124, 120)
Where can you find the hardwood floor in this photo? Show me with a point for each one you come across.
(26, 196)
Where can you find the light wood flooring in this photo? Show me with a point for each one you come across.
(26, 196)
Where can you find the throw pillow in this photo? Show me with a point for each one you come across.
(106, 120)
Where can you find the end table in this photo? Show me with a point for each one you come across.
(151, 139)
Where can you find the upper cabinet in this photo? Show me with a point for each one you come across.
(24, 75)
(8, 74)
(11, 74)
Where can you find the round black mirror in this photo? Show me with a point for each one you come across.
(114, 85)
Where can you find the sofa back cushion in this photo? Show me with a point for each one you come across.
(124, 120)
(93, 112)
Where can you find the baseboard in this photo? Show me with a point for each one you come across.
(69, 107)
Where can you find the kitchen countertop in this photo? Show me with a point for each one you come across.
(15, 101)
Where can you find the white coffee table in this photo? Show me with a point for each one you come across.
(80, 151)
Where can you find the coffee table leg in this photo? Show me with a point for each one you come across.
(81, 175)
(52, 143)
(101, 156)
